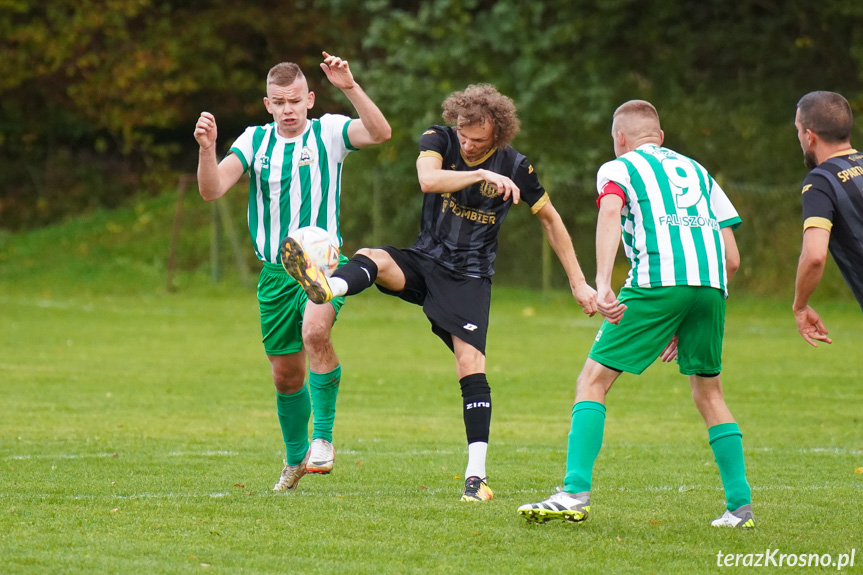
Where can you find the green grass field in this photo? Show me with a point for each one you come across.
(138, 433)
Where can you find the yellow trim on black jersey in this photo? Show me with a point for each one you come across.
(816, 222)
(540, 203)
(479, 161)
(806, 187)
(431, 154)
(843, 153)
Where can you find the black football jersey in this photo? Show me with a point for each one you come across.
(460, 230)
(833, 200)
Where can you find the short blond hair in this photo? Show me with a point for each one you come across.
(637, 118)
(284, 74)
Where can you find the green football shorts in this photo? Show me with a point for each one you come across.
(282, 303)
(653, 316)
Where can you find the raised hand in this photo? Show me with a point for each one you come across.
(338, 72)
(205, 130)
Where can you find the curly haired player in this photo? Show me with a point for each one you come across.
(471, 177)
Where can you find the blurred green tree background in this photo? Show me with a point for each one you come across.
(98, 100)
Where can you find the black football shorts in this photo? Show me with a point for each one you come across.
(456, 304)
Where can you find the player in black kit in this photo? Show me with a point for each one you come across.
(832, 204)
(470, 176)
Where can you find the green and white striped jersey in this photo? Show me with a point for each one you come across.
(671, 219)
(294, 182)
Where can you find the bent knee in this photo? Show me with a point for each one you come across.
(315, 334)
(380, 257)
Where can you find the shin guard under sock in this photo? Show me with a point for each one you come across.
(324, 391)
(476, 396)
(294, 411)
(726, 440)
(359, 273)
(585, 441)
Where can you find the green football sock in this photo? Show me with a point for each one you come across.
(325, 390)
(727, 444)
(585, 441)
(294, 411)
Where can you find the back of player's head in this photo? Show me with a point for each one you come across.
(478, 103)
(284, 74)
(637, 119)
(827, 114)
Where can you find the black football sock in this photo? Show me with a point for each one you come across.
(476, 395)
(359, 273)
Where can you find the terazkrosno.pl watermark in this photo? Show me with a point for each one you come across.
(775, 558)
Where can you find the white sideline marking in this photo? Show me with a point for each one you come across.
(347, 451)
(413, 452)
(148, 495)
(265, 491)
(60, 456)
(145, 495)
(376, 453)
(220, 453)
(202, 453)
(832, 450)
(827, 450)
(683, 488)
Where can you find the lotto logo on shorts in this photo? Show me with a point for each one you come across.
(598, 335)
(469, 327)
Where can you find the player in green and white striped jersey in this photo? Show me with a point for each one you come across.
(295, 167)
(672, 218)
(676, 224)
(295, 181)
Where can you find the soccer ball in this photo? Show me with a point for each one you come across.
(317, 243)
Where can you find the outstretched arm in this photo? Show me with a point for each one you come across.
(214, 179)
(372, 127)
(810, 268)
(561, 243)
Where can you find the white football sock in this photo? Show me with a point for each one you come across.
(476, 459)
(338, 286)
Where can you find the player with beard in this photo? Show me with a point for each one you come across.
(832, 204)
